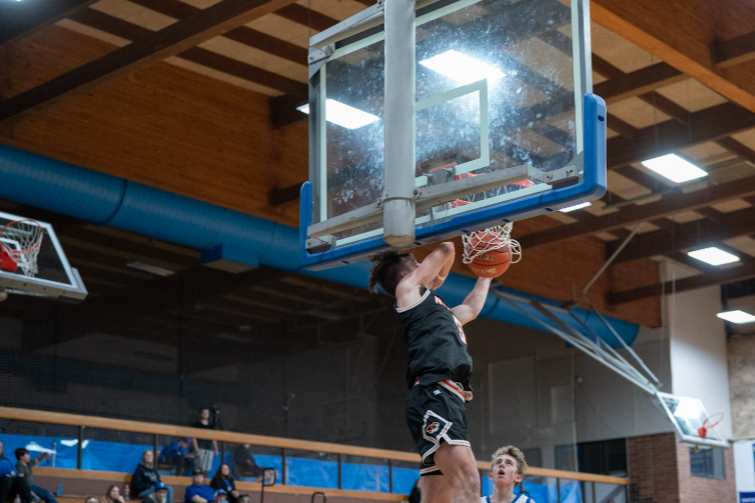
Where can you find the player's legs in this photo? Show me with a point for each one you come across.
(459, 467)
(436, 489)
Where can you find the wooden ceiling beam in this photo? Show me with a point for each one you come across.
(682, 34)
(692, 235)
(170, 41)
(307, 17)
(21, 19)
(737, 148)
(734, 51)
(729, 275)
(242, 34)
(669, 205)
(638, 82)
(706, 125)
(215, 61)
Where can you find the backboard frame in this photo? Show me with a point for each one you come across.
(715, 440)
(318, 252)
(18, 281)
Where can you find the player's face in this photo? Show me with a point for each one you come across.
(504, 471)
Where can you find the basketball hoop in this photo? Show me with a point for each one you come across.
(27, 234)
(709, 423)
(493, 238)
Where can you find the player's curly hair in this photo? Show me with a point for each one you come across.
(517, 454)
(386, 270)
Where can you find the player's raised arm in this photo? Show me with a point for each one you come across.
(431, 271)
(472, 305)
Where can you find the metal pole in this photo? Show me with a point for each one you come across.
(611, 259)
(284, 470)
(558, 490)
(339, 470)
(154, 449)
(390, 476)
(79, 449)
(400, 96)
(594, 497)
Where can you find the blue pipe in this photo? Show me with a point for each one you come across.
(107, 200)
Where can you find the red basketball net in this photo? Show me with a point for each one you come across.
(493, 238)
(27, 236)
(709, 423)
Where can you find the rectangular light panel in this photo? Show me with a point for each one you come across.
(737, 316)
(674, 168)
(344, 115)
(713, 256)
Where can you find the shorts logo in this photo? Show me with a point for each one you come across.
(433, 428)
(436, 392)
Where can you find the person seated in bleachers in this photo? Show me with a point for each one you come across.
(10, 483)
(198, 492)
(244, 463)
(178, 456)
(112, 495)
(224, 480)
(220, 496)
(91, 499)
(25, 466)
(145, 477)
(159, 495)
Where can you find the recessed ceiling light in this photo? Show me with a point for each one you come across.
(461, 67)
(674, 168)
(152, 269)
(737, 317)
(344, 115)
(575, 207)
(713, 256)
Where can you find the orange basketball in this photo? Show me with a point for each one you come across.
(491, 263)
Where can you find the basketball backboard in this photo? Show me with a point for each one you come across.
(505, 124)
(55, 277)
(688, 415)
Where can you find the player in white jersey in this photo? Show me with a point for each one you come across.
(507, 472)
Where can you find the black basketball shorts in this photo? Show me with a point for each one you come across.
(436, 413)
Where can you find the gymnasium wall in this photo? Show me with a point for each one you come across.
(698, 348)
(347, 387)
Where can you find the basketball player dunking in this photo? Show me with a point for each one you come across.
(439, 368)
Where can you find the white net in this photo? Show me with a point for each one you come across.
(493, 238)
(26, 239)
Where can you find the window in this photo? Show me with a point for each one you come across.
(707, 463)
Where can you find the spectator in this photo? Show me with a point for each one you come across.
(220, 495)
(25, 466)
(244, 462)
(90, 499)
(245, 498)
(224, 480)
(145, 477)
(159, 495)
(10, 483)
(179, 455)
(197, 492)
(415, 496)
(113, 495)
(205, 448)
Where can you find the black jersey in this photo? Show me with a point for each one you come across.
(437, 343)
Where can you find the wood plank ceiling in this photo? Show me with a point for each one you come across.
(225, 129)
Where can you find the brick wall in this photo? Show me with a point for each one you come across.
(706, 490)
(659, 471)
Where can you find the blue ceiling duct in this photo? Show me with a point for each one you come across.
(107, 200)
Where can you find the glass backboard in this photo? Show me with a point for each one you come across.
(688, 415)
(55, 276)
(502, 93)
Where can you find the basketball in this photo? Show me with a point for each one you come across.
(491, 263)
